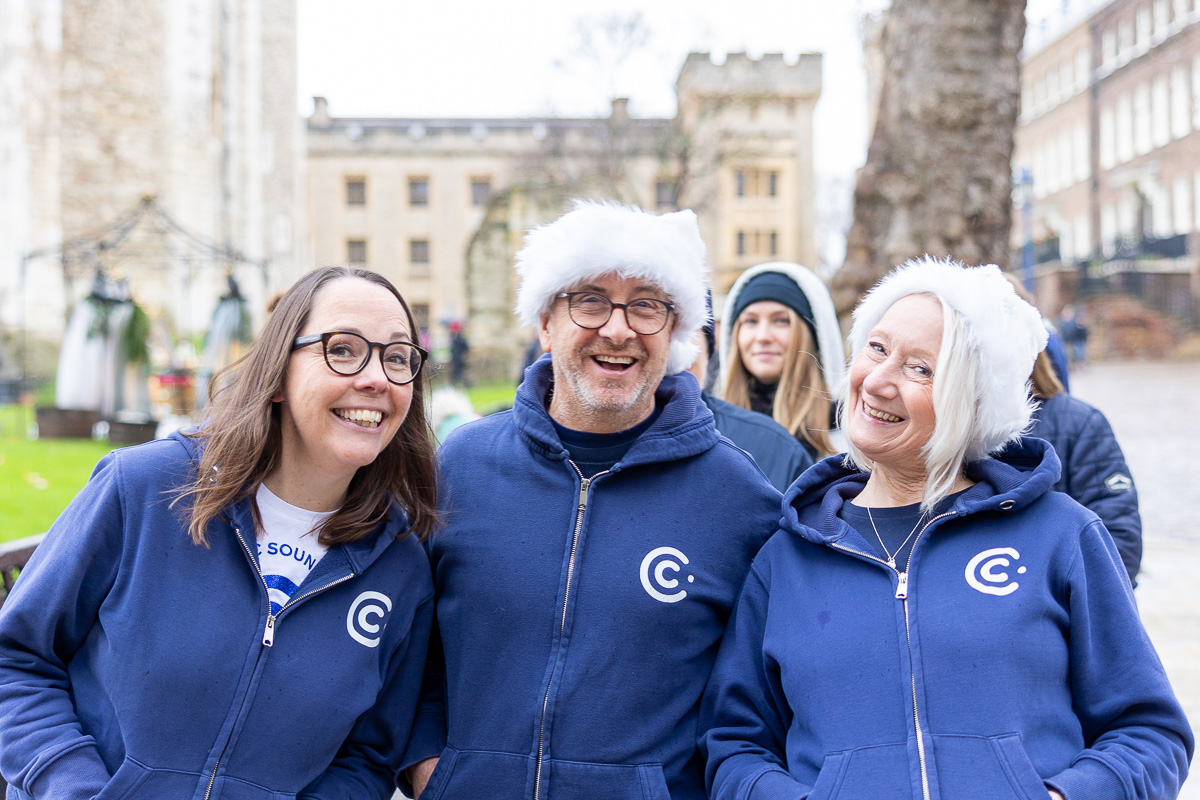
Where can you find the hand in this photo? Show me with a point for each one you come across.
(419, 775)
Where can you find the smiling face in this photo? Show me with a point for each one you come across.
(891, 414)
(604, 379)
(764, 336)
(333, 424)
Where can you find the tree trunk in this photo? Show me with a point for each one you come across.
(938, 173)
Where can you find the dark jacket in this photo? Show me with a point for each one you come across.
(778, 454)
(579, 619)
(1008, 658)
(1094, 472)
(133, 663)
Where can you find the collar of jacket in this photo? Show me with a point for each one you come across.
(684, 428)
(360, 554)
(1021, 474)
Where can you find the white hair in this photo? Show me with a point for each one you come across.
(990, 338)
(595, 239)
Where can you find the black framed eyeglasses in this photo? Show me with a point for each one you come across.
(644, 315)
(348, 353)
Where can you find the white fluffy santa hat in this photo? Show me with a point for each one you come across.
(594, 239)
(1004, 332)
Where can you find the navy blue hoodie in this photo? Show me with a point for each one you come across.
(133, 662)
(580, 619)
(1008, 658)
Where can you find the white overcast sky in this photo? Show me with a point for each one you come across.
(512, 58)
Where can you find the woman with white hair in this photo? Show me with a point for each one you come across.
(932, 621)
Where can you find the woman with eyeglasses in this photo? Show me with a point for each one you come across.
(241, 610)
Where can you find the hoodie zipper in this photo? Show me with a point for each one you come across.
(584, 485)
(268, 640)
(902, 594)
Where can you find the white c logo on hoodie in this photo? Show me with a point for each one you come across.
(988, 580)
(660, 579)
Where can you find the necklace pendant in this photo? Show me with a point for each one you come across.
(891, 563)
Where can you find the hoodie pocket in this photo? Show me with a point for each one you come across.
(474, 774)
(865, 772)
(986, 768)
(125, 781)
(582, 780)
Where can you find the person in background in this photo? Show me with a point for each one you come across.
(596, 536)
(241, 611)
(460, 348)
(1074, 331)
(1094, 472)
(777, 453)
(933, 619)
(781, 352)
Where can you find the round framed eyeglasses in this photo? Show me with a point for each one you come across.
(644, 315)
(348, 353)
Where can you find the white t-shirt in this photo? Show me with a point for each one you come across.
(287, 545)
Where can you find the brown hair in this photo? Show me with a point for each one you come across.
(1045, 379)
(242, 438)
(803, 402)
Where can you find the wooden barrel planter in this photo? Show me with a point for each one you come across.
(131, 432)
(66, 423)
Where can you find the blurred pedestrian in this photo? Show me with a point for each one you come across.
(460, 349)
(1074, 330)
(781, 352)
(241, 611)
(1094, 472)
(933, 620)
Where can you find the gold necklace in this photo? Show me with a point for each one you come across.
(891, 559)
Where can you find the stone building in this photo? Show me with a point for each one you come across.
(1109, 138)
(104, 102)
(441, 205)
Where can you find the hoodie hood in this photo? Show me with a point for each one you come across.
(1025, 471)
(360, 554)
(684, 427)
(829, 333)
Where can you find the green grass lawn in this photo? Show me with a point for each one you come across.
(38, 478)
(492, 397)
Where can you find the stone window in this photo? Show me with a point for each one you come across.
(739, 182)
(418, 191)
(418, 255)
(664, 194)
(1142, 29)
(1181, 103)
(356, 251)
(1108, 49)
(481, 191)
(772, 184)
(773, 241)
(741, 243)
(420, 312)
(356, 191)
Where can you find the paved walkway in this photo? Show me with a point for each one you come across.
(1152, 408)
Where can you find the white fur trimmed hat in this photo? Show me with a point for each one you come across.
(594, 239)
(1005, 335)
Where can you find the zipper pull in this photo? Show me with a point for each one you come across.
(583, 492)
(901, 585)
(269, 633)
